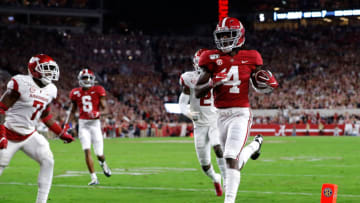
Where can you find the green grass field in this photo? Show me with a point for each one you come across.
(290, 169)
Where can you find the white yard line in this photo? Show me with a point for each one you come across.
(292, 175)
(173, 189)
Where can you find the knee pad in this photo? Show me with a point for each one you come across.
(46, 158)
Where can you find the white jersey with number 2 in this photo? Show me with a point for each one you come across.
(203, 106)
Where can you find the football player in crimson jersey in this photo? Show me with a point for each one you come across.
(228, 70)
(25, 102)
(91, 102)
(203, 114)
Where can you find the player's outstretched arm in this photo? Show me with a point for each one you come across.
(7, 100)
(49, 121)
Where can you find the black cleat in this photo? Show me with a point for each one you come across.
(256, 154)
(106, 169)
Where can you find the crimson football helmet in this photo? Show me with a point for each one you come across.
(44, 68)
(229, 34)
(197, 58)
(86, 78)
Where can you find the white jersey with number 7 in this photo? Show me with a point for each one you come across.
(24, 115)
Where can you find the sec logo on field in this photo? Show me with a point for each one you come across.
(219, 62)
(328, 192)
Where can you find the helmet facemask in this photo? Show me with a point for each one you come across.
(86, 80)
(227, 39)
(49, 72)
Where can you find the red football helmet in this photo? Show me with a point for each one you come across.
(229, 34)
(86, 78)
(197, 58)
(44, 68)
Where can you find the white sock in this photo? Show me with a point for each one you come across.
(101, 163)
(45, 179)
(211, 173)
(41, 197)
(222, 166)
(232, 184)
(1, 169)
(247, 152)
(93, 176)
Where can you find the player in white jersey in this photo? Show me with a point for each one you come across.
(24, 103)
(204, 116)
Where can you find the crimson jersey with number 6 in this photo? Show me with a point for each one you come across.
(88, 101)
(24, 115)
(234, 92)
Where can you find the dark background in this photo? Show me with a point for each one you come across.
(174, 16)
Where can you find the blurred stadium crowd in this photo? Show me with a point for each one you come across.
(317, 67)
(49, 3)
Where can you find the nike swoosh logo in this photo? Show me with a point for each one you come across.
(273, 83)
(244, 61)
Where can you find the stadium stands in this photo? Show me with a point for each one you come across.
(316, 67)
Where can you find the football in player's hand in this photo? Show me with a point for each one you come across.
(258, 81)
(265, 78)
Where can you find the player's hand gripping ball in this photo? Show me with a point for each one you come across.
(264, 78)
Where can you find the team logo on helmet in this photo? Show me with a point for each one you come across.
(44, 68)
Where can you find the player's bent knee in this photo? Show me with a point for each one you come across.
(218, 151)
(47, 158)
(48, 161)
(232, 163)
(206, 167)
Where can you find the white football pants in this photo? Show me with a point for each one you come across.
(90, 133)
(37, 148)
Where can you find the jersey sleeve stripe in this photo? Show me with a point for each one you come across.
(16, 86)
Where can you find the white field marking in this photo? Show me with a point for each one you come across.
(292, 175)
(310, 158)
(277, 141)
(166, 169)
(167, 141)
(173, 189)
(337, 166)
(161, 141)
(129, 171)
(302, 158)
(83, 173)
(119, 171)
(192, 141)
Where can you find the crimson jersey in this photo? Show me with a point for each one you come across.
(88, 101)
(234, 92)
